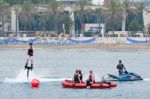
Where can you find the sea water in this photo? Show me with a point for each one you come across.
(51, 66)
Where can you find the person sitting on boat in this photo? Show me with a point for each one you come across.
(80, 76)
(121, 67)
(76, 78)
(91, 78)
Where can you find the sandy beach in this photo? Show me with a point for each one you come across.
(97, 46)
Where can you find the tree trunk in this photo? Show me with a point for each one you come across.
(3, 25)
(100, 30)
(82, 21)
(72, 30)
(64, 29)
(17, 25)
(124, 21)
(55, 23)
(44, 26)
(112, 21)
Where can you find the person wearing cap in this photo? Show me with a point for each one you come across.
(120, 68)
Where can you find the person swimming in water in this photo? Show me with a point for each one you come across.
(30, 58)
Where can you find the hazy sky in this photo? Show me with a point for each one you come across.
(98, 1)
(101, 1)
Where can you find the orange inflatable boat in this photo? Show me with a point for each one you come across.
(96, 85)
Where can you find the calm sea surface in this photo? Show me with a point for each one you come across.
(57, 64)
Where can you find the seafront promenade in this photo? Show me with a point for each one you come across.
(80, 42)
(74, 40)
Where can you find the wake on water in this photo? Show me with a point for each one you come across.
(22, 78)
(146, 79)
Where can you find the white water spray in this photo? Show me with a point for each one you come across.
(146, 79)
(22, 78)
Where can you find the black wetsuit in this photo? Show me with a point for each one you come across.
(76, 79)
(30, 52)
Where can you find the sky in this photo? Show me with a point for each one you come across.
(97, 2)
(101, 1)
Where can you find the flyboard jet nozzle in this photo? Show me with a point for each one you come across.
(28, 68)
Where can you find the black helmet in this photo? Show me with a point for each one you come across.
(120, 61)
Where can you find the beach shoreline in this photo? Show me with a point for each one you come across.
(94, 45)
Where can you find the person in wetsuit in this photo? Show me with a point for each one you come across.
(120, 68)
(30, 58)
(76, 77)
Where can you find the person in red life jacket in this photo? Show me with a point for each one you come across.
(30, 58)
(91, 78)
(121, 67)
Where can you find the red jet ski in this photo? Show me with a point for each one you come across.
(96, 85)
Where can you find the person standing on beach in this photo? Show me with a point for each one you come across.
(120, 68)
(29, 57)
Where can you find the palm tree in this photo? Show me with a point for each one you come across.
(54, 8)
(44, 18)
(149, 29)
(66, 23)
(114, 10)
(140, 8)
(4, 13)
(127, 6)
(133, 26)
(70, 17)
(99, 12)
(81, 7)
(17, 11)
(26, 14)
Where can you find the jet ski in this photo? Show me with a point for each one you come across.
(129, 76)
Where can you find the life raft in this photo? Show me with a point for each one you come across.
(96, 85)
